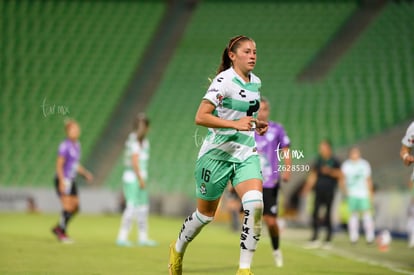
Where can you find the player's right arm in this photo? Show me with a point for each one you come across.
(205, 117)
(310, 182)
(407, 143)
(137, 170)
(59, 172)
(405, 154)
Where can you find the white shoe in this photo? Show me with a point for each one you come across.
(277, 254)
(313, 245)
(147, 243)
(123, 243)
(66, 240)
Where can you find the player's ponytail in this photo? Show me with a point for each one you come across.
(232, 46)
(225, 61)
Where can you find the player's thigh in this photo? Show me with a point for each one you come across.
(247, 176)
(270, 202)
(211, 177)
(69, 202)
(207, 208)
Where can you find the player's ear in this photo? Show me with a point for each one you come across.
(232, 56)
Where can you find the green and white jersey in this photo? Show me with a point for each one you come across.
(356, 175)
(408, 139)
(233, 99)
(132, 146)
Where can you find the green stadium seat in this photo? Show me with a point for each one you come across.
(65, 52)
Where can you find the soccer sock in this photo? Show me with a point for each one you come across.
(126, 222)
(64, 219)
(251, 228)
(191, 227)
(142, 215)
(274, 236)
(353, 227)
(368, 227)
(275, 242)
(410, 227)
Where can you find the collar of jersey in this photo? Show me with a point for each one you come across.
(251, 86)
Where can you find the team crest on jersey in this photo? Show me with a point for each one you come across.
(203, 189)
(411, 140)
(219, 98)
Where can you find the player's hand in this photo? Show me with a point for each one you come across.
(88, 176)
(141, 184)
(408, 160)
(286, 176)
(244, 124)
(326, 170)
(62, 187)
(65, 186)
(261, 127)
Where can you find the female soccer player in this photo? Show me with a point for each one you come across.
(67, 166)
(273, 142)
(359, 191)
(135, 176)
(229, 110)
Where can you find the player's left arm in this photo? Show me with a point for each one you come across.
(85, 173)
(370, 186)
(405, 154)
(334, 172)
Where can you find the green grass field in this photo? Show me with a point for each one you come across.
(28, 247)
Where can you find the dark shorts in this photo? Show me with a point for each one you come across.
(270, 201)
(71, 190)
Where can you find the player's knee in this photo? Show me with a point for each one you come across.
(270, 220)
(253, 207)
(253, 198)
(203, 218)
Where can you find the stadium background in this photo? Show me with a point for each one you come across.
(337, 69)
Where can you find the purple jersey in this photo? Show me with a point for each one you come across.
(268, 147)
(71, 152)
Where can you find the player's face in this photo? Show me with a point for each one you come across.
(264, 111)
(142, 130)
(73, 131)
(325, 150)
(244, 59)
(354, 154)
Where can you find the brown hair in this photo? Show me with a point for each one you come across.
(68, 122)
(141, 123)
(232, 46)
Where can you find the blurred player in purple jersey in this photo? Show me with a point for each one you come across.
(269, 145)
(67, 167)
